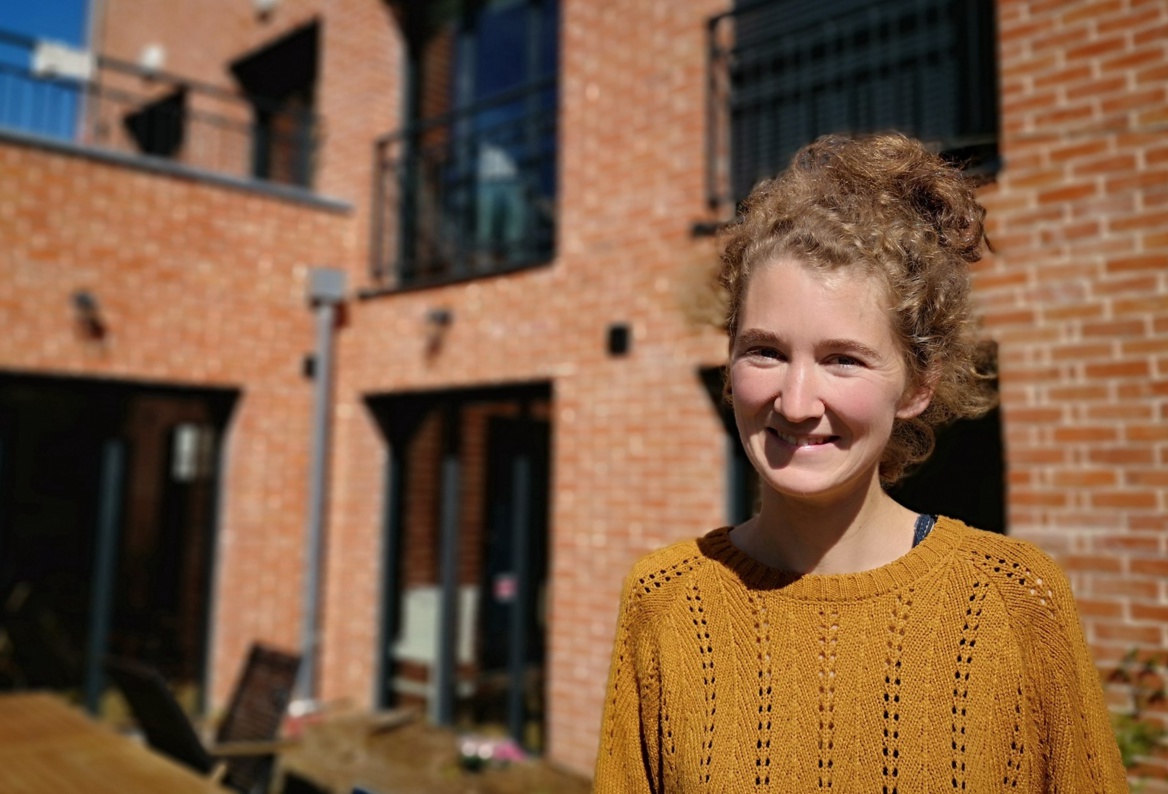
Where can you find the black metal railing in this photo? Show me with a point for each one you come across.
(783, 72)
(105, 103)
(468, 193)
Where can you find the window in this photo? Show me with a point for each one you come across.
(785, 72)
(468, 187)
(280, 82)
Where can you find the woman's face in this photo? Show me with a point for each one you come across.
(818, 379)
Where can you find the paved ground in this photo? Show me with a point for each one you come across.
(416, 758)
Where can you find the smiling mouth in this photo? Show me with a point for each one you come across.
(802, 441)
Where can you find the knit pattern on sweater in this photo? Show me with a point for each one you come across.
(959, 667)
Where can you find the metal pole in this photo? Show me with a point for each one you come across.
(326, 290)
(394, 488)
(113, 463)
(446, 679)
(521, 562)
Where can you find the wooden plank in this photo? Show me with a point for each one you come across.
(45, 745)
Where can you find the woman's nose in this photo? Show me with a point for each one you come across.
(798, 399)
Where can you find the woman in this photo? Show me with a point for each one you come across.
(837, 640)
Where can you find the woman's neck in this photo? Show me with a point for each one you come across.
(861, 531)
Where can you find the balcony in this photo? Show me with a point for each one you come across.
(469, 193)
(54, 92)
(783, 72)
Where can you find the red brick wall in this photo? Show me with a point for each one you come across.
(197, 285)
(358, 90)
(1078, 299)
(637, 446)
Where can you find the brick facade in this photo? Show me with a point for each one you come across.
(204, 284)
(197, 285)
(1076, 299)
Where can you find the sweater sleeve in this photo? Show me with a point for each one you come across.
(629, 757)
(1082, 753)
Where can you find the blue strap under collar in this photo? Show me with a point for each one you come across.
(923, 527)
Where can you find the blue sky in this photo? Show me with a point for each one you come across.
(62, 20)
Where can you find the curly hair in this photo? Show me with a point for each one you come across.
(888, 206)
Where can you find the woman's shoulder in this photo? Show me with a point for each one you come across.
(998, 553)
(660, 566)
(661, 573)
(1026, 577)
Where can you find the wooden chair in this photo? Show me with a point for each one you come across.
(41, 655)
(245, 743)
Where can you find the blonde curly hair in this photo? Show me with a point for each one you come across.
(886, 205)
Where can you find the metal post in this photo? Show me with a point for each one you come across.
(529, 178)
(408, 211)
(394, 488)
(521, 564)
(442, 702)
(210, 576)
(113, 463)
(465, 136)
(326, 290)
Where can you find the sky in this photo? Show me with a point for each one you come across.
(62, 20)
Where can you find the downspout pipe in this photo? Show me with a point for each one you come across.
(326, 291)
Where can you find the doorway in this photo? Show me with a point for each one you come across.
(107, 511)
(466, 556)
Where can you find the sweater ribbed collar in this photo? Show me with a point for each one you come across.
(933, 552)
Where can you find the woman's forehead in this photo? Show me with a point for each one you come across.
(856, 279)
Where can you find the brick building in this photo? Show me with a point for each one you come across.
(524, 395)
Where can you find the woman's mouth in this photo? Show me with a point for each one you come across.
(802, 440)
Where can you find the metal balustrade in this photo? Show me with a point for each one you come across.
(54, 91)
(783, 72)
(468, 193)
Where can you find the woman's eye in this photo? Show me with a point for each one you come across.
(765, 352)
(848, 361)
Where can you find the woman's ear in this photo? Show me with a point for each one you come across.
(916, 400)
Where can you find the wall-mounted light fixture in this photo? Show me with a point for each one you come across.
(87, 315)
(152, 58)
(438, 320)
(620, 339)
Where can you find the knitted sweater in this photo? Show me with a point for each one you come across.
(960, 666)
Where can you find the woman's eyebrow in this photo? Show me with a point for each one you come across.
(755, 336)
(852, 346)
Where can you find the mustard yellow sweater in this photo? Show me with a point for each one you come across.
(959, 667)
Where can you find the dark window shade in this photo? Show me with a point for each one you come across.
(158, 128)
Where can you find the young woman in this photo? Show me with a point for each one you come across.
(837, 640)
